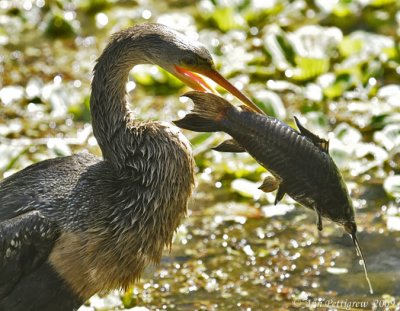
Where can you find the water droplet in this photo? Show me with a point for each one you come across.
(214, 42)
(69, 16)
(146, 14)
(77, 83)
(101, 20)
(57, 80)
(289, 73)
(92, 141)
(130, 86)
(27, 5)
(40, 3)
(33, 87)
(254, 31)
(11, 94)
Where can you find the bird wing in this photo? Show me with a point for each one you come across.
(23, 191)
(43, 185)
(25, 243)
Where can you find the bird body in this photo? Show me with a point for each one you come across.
(95, 249)
(73, 226)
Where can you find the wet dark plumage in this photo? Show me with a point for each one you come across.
(73, 226)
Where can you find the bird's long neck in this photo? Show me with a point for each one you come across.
(110, 115)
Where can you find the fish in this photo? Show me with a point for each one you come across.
(298, 160)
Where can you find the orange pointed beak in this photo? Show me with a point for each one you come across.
(196, 82)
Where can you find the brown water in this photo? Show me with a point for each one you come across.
(226, 261)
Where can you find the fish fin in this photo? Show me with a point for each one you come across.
(321, 143)
(229, 145)
(208, 110)
(196, 123)
(279, 195)
(319, 219)
(269, 184)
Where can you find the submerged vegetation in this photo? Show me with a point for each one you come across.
(333, 64)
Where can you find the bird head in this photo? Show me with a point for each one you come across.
(189, 61)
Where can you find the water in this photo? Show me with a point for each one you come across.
(282, 261)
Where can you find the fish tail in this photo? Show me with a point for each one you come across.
(208, 111)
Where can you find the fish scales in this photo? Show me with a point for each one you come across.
(280, 149)
(299, 160)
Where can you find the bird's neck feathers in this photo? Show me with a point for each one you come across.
(108, 104)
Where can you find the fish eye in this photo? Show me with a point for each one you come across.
(189, 61)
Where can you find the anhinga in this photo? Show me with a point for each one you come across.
(73, 226)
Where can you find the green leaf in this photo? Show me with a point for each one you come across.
(270, 103)
(200, 138)
(226, 19)
(58, 27)
(336, 89)
(378, 3)
(349, 46)
(342, 10)
(81, 111)
(308, 67)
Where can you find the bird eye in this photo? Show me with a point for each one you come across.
(189, 61)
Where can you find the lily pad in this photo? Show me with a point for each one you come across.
(392, 186)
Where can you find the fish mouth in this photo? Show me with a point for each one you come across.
(197, 82)
(350, 227)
